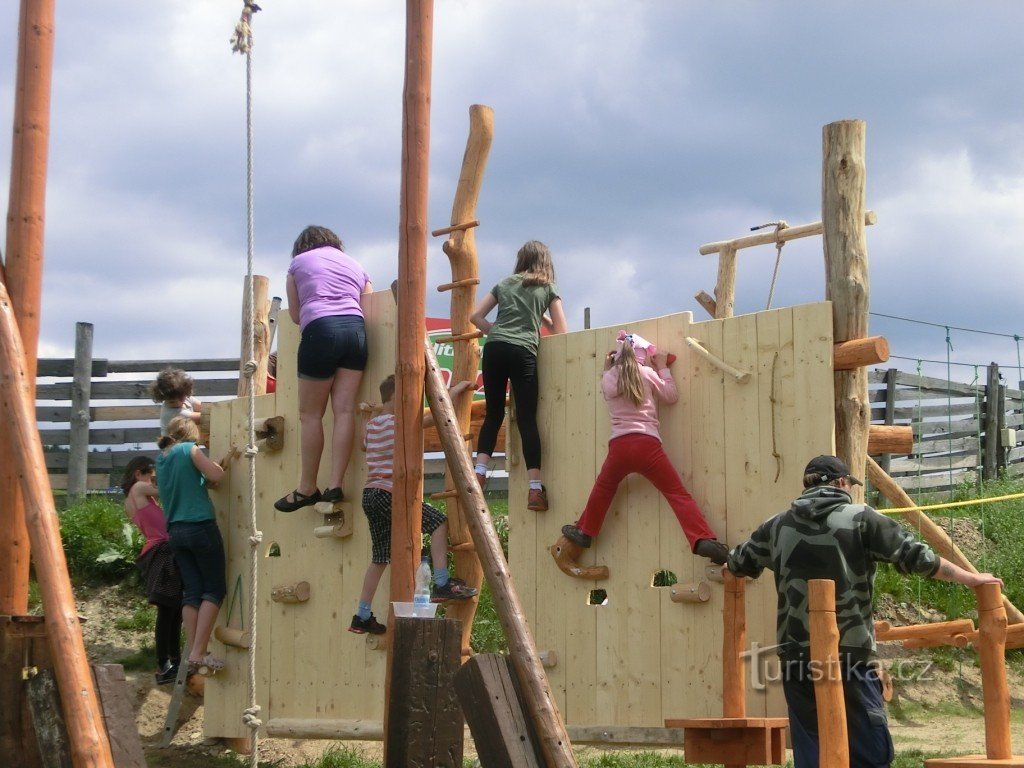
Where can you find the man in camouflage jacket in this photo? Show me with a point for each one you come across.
(823, 535)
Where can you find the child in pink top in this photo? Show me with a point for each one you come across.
(632, 392)
(155, 562)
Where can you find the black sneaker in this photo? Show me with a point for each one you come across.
(576, 536)
(369, 625)
(713, 550)
(167, 674)
(455, 589)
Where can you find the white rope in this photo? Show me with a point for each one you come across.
(242, 43)
(779, 226)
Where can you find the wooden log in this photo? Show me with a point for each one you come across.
(725, 288)
(847, 285)
(424, 725)
(856, 353)
(930, 531)
(291, 593)
(734, 642)
(691, 592)
(257, 345)
(78, 458)
(938, 641)
(47, 720)
(490, 700)
(318, 728)
(236, 638)
(119, 716)
(741, 377)
(918, 631)
(883, 439)
(464, 283)
(707, 301)
(537, 694)
(566, 553)
(82, 713)
(889, 416)
(992, 656)
(771, 237)
(833, 742)
(462, 254)
(455, 228)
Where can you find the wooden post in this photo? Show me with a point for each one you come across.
(890, 412)
(89, 746)
(260, 334)
(884, 440)
(586, 318)
(833, 742)
(407, 492)
(843, 179)
(461, 250)
(725, 288)
(537, 695)
(734, 642)
(992, 655)
(930, 532)
(990, 442)
(24, 265)
(1000, 426)
(425, 724)
(78, 455)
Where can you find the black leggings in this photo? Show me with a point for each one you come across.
(168, 634)
(502, 363)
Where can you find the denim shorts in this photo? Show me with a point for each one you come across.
(199, 553)
(330, 343)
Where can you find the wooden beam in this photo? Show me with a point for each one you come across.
(78, 453)
(537, 694)
(847, 285)
(770, 237)
(725, 287)
(707, 301)
(89, 744)
(833, 742)
(856, 353)
(258, 344)
(918, 631)
(897, 438)
(930, 531)
(734, 643)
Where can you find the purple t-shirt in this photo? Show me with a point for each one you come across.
(329, 283)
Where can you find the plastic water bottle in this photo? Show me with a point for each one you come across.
(422, 594)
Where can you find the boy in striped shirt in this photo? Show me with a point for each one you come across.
(379, 443)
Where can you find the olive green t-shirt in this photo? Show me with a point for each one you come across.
(520, 309)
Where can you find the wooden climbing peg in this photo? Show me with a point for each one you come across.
(741, 377)
(566, 552)
(693, 592)
(291, 593)
(467, 283)
(455, 228)
(459, 337)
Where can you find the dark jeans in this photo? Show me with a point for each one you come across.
(504, 363)
(330, 343)
(199, 553)
(866, 723)
(168, 634)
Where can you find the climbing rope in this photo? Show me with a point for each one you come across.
(779, 226)
(242, 42)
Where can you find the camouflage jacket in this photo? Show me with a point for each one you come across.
(825, 536)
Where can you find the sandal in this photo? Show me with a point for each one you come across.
(298, 501)
(209, 661)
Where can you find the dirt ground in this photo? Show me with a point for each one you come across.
(940, 709)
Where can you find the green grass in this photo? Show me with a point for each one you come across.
(142, 659)
(142, 620)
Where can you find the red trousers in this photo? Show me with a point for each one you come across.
(643, 455)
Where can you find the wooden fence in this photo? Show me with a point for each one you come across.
(962, 432)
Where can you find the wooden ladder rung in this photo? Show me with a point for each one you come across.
(466, 546)
(444, 495)
(469, 281)
(460, 337)
(455, 228)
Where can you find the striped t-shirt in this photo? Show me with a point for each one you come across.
(380, 451)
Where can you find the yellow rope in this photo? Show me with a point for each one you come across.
(948, 504)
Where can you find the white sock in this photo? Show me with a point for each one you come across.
(481, 469)
(535, 485)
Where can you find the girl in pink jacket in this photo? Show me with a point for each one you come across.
(632, 392)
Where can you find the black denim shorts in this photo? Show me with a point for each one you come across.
(330, 343)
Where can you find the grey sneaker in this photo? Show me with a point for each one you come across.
(576, 536)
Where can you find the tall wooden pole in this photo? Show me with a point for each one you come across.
(407, 493)
(86, 731)
(24, 268)
(81, 389)
(992, 655)
(461, 251)
(833, 739)
(843, 193)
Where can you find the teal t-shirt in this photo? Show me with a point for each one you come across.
(183, 493)
(520, 309)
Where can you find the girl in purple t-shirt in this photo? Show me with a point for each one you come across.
(325, 286)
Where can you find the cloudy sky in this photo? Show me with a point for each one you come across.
(626, 135)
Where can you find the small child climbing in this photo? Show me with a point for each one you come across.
(155, 562)
(510, 355)
(632, 392)
(173, 390)
(379, 443)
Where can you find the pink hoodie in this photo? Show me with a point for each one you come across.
(628, 419)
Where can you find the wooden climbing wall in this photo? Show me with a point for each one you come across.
(634, 661)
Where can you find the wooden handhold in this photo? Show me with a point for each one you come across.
(857, 353)
(455, 228)
(377, 642)
(451, 494)
(467, 283)
(270, 433)
(466, 546)
(741, 377)
(691, 592)
(236, 638)
(291, 593)
(548, 658)
(886, 438)
(565, 553)
(707, 301)
(339, 520)
(336, 531)
(714, 573)
(459, 337)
